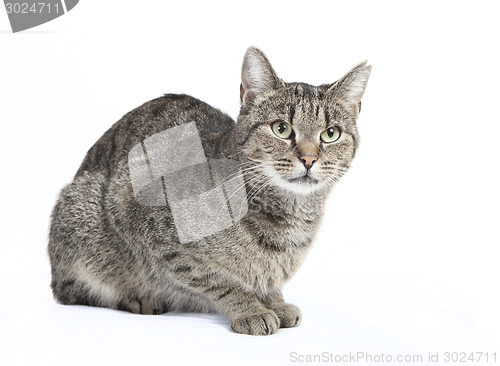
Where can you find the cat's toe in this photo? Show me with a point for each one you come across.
(256, 323)
(288, 314)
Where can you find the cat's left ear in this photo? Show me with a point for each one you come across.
(352, 86)
(257, 76)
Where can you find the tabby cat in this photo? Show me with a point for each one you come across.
(179, 208)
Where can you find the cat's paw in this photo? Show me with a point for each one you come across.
(288, 314)
(256, 323)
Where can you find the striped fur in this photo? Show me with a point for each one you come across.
(107, 250)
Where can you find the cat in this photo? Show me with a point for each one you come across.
(121, 240)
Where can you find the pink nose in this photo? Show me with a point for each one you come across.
(308, 160)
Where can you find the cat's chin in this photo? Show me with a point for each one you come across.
(303, 185)
(303, 179)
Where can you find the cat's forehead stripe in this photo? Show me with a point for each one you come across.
(327, 118)
(292, 114)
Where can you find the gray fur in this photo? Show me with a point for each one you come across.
(107, 250)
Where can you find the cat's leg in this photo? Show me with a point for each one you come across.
(73, 290)
(76, 223)
(143, 305)
(70, 291)
(248, 315)
(288, 314)
(137, 306)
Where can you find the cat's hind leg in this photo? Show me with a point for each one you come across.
(143, 305)
(70, 291)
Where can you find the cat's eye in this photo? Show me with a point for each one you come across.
(331, 134)
(282, 129)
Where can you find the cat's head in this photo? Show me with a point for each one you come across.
(299, 137)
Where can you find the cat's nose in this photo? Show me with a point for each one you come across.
(308, 160)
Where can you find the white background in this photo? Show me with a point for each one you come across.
(407, 260)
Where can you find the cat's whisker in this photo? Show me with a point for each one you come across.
(223, 204)
(215, 189)
(255, 184)
(230, 156)
(238, 174)
(246, 183)
(256, 188)
(332, 180)
(264, 176)
(237, 170)
(263, 184)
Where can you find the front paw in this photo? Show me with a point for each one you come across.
(289, 315)
(256, 323)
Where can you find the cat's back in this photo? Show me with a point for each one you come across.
(151, 118)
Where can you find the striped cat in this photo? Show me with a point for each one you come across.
(177, 207)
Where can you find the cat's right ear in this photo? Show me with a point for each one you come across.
(257, 76)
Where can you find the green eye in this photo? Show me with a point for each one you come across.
(331, 134)
(282, 129)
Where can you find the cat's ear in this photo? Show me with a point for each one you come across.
(257, 76)
(352, 86)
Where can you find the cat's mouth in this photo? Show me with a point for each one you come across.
(304, 179)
